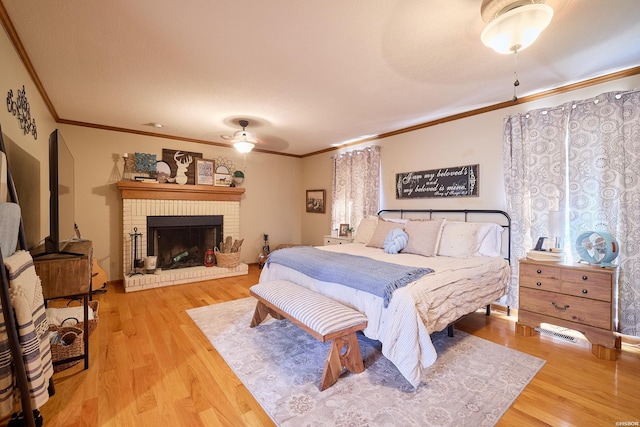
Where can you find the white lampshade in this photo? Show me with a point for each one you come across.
(243, 146)
(244, 141)
(517, 29)
(556, 223)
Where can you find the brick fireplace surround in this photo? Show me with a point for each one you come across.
(140, 200)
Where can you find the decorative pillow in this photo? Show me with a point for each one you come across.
(458, 239)
(395, 241)
(383, 229)
(424, 236)
(365, 230)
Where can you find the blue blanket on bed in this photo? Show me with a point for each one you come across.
(377, 277)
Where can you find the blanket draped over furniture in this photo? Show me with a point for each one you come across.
(28, 305)
(362, 273)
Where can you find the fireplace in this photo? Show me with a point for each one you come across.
(141, 201)
(181, 241)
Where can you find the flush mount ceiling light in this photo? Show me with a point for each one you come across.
(513, 26)
(243, 140)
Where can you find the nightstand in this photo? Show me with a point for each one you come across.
(575, 296)
(335, 240)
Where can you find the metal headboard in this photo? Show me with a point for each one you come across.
(503, 216)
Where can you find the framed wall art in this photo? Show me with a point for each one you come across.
(204, 172)
(222, 177)
(315, 201)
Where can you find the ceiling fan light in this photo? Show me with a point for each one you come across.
(243, 146)
(517, 29)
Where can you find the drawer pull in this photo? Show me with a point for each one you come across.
(539, 271)
(558, 308)
(584, 291)
(538, 284)
(584, 277)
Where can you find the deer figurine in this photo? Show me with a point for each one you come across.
(182, 162)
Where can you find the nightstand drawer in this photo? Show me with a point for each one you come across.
(566, 307)
(332, 240)
(587, 290)
(590, 277)
(540, 277)
(542, 271)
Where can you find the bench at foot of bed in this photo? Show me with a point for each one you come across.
(321, 317)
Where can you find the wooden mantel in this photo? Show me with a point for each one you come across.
(146, 190)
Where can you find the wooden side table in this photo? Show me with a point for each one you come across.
(67, 276)
(336, 240)
(576, 296)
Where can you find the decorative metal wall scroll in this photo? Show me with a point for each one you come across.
(21, 109)
(458, 181)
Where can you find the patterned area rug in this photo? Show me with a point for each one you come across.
(472, 383)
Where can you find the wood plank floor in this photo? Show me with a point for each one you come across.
(151, 366)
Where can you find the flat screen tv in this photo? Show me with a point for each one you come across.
(61, 195)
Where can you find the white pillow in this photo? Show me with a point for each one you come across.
(365, 230)
(491, 244)
(424, 236)
(383, 229)
(458, 239)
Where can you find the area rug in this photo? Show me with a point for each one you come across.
(472, 383)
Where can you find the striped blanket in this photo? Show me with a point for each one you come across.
(376, 277)
(28, 305)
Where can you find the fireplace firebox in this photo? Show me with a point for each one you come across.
(181, 241)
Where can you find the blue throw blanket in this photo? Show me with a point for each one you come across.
(377, 277)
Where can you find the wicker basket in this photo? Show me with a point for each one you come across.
(227, 260)
(79, 323)
(60, 351)
(93, 323)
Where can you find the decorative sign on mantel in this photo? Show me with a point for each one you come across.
(458, 181)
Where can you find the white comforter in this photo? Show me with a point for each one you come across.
(457, 287)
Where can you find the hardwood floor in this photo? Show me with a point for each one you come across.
(150, 365)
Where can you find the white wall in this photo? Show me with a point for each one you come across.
(28, 157)
(472, 140)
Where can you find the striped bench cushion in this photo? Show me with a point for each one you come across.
(316, 311)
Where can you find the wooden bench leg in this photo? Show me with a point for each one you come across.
(261, 313)
(337, 359)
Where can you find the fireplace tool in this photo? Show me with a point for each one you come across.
(136, 258)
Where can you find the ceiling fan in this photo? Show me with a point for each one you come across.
(243, 140)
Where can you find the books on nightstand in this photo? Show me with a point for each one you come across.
(545, 256)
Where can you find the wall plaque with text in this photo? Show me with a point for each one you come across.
(458, 181)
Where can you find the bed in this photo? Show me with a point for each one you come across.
(468, 251)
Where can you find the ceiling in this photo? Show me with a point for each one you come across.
(305, 74)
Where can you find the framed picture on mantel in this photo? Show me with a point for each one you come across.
(204, 172)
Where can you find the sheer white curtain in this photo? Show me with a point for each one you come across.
(356, 186)
(583, 157)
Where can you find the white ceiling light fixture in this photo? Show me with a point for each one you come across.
(243, 140)
(513, 26)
